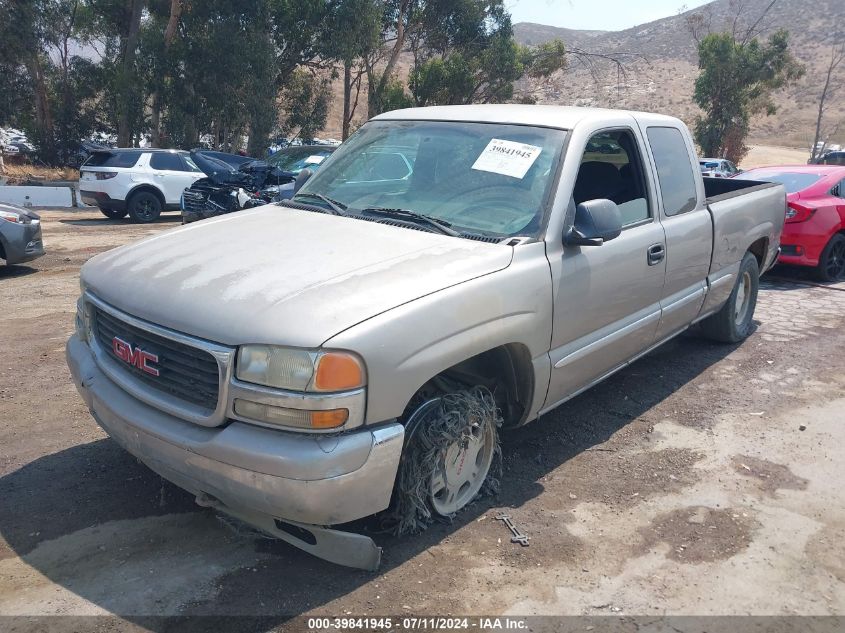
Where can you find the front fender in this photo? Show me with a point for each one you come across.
(405, 347)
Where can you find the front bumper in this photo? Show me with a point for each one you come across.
(21, 242)
(318, 480)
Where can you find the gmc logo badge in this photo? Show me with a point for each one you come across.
(135, 357)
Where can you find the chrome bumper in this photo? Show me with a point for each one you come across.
(313, 479)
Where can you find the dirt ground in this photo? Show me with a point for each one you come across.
(703, 479)
(762, 155)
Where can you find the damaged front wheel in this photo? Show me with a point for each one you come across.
(451, 454)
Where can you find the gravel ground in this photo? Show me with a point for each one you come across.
(703, 479)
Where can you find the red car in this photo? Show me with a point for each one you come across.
(814, 233)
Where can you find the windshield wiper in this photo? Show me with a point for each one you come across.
(337, 207)
(440, 226)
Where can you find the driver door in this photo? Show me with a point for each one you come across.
(607, 298)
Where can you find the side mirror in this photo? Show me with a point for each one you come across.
(596, 222)
(301, 179)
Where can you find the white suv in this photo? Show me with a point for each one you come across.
(140, 182)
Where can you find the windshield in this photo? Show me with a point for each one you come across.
(482, 178)
(296, 160)
(792, 181)
(191, 164)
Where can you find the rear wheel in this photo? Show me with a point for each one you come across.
(735, 320)
(832, 261)
(113, 214)
(144, 207)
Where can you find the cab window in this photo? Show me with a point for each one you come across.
(612, 168)
(674, 170)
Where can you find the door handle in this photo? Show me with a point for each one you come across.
(656, 253)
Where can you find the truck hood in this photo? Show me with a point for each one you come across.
(282, 276)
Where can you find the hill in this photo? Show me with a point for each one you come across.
(662, 65)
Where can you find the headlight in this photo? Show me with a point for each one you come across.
(299, 370)
(17, 218)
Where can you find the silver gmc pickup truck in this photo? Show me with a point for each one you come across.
(448, 272)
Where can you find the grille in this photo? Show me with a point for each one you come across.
(193, 201)
(185, 372)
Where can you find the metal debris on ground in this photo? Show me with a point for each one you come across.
(518, 537)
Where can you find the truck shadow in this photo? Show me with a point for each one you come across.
(170, 218)
(52, 502)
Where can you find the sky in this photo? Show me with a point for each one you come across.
(602, 15)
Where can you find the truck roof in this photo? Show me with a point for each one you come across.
(563, 117)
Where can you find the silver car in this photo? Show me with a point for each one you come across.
(20, 234)
(717, 168)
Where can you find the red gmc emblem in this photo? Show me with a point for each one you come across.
(135, 357)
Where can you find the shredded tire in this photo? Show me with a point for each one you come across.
(449, 419)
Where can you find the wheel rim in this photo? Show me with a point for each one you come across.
(145, 209)
(743, 298)
(835, 264)
(461, 470)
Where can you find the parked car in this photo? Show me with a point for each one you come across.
(226, 190)
(814, 233)
(831, 158)
(300, 365)
(20, 234)
(235, 160)
(83, 151)
(295, 159)
(717, 168)
(140, 182)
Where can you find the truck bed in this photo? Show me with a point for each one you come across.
(741, 208)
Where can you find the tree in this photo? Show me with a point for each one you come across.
(305, 101)
(837, 55)
(486, 76)
(738, 74)
(463, 52)
(27, 30)
(125, 84)
(165, 72)
(356, 25)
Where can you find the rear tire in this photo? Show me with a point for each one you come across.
(832, 261)
(113, 214)
(735, 320)
(144, 207)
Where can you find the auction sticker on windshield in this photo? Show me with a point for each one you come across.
(508, 158)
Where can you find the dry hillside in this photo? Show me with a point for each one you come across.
(661, 77)
(662, 66)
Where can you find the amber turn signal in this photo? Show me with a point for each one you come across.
(337, 371)
(329, 419)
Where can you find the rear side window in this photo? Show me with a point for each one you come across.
(674, 171)
(113, 159)
(167, 160)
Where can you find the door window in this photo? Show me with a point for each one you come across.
(612, 168)
(674, 171)
(167, 161)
